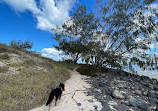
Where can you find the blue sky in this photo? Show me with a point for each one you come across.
(18, 23)
(22, 26)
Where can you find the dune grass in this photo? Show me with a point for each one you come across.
(36, 77)
(29, 89)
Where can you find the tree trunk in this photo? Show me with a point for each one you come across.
(76, 59)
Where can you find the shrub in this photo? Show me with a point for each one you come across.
(88, 70)
(24, 45)
(68, 60)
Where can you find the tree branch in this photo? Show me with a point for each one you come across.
(128, 50)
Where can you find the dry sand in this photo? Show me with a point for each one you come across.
(67, 103)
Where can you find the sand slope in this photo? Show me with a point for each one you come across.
(76, 82)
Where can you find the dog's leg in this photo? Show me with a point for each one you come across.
(49, 107)
(59, 97)
(56, 100)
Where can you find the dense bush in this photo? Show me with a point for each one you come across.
(91, 70)
(88, 70)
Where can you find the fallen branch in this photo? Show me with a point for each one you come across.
(74, 95)
(75, 100)
(73, 92)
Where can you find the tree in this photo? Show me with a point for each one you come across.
(74, 37)
(130, 27)
(24, 45)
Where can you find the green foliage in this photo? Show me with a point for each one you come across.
(88, 70)
(124, 23)
(119, 37)
(75, 35)
(24, 45)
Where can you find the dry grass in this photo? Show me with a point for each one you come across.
(3, 69)
(4, 48)
(4, 56)
(28, 89)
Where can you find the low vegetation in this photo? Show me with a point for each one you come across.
(3, 69)
(70, 66)
(4, 56)
(25, 82)
(24, 45)
(91, 70)
(87, 70)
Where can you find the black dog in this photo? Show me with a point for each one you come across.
(57, 93)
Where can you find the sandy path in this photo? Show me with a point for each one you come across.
(76, 82)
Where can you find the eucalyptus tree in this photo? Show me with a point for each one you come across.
(130, 28)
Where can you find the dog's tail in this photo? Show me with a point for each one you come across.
(50, 100)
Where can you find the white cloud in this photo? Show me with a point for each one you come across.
(53, 13)
(52, 53)
(56, 55)
(49, 13)
(23, 5)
